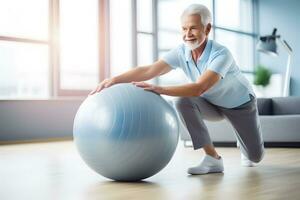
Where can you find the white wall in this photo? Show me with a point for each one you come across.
(284, 15)
(36, 119)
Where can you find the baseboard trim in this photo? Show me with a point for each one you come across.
(36, 141)
(283, 144)
(216, 144)
(188, 143)
(267, 144)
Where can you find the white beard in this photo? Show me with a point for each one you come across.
(192, 45)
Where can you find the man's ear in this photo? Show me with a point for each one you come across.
(207, 29)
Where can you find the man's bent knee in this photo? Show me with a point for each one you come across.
(256, 156)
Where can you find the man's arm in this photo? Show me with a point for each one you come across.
(204, 82)
(141, 73)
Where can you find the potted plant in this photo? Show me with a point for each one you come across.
(262, 77)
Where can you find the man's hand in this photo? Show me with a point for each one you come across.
(104, 84)
(149, 87)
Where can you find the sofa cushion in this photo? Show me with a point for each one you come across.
(264, 106)
(286, 105)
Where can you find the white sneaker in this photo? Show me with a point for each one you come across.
(208, 164)
(246, 162)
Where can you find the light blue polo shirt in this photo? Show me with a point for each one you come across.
(232, 90)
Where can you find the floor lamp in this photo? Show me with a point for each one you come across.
(267, 44)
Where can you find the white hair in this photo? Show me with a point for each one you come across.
(198, 9)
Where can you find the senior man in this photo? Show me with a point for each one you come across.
(217, 90)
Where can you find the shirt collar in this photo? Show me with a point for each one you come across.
(204, 56)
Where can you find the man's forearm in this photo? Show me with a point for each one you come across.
(135, 74)
(187, 90)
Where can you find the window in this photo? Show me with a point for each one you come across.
(240, 45)
(121, 58)
(24, 70)
(234, 14)
(48, 47)
(234, 28)
(145, 32)
(24, 48)
(20, 19)
(132, 36)
(79, 60)
(145, 49)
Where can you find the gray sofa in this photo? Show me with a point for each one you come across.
(280, 123)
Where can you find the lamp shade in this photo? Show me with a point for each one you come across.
(269, 47)
(267, 44)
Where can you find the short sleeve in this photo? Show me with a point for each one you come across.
(172, 57)
(221, 62)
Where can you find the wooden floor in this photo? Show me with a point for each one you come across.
(54, 170)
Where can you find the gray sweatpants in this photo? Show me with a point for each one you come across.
(244, 119)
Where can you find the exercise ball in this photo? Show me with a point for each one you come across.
(126, 133)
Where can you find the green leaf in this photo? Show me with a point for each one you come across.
(262, 76)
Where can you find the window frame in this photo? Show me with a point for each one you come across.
(103, 38)
(55, 91)
(152, 33)
(31, 40)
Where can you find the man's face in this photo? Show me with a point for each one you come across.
(193, 31)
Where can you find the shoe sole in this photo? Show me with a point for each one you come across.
(208, 172)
